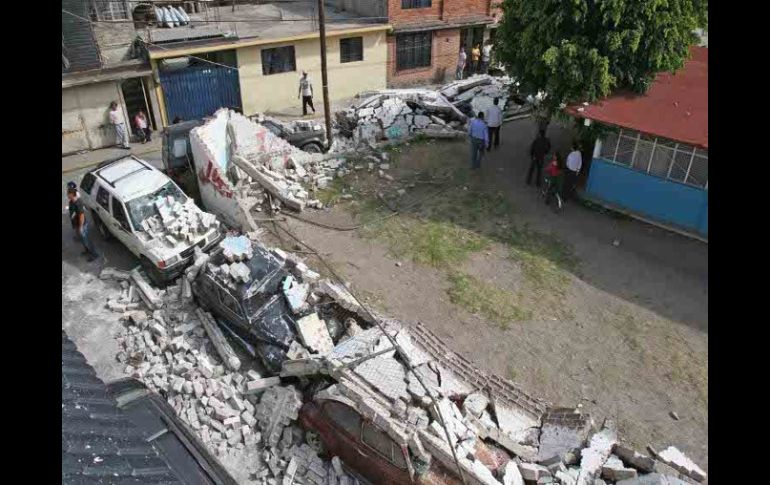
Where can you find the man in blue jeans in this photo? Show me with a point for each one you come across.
(79, 223)
(479, 133)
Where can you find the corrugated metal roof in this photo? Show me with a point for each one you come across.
(675, 106)
(98, 443)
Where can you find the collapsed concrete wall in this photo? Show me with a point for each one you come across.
(211, 156)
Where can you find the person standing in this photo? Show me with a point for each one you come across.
(140, 122)
(574, 164)
(116, 120)
(479, 133)
(306, 91)
(475, 57)
(462, 57)
(73, 186)
(486, 56)
(537, 152)
(494, 122)
(79, 223)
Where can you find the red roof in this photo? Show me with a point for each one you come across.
(675, 107)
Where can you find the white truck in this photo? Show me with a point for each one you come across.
(137, 204)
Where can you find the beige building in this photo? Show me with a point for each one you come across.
(268, 70)
(256, 67)
(274, 92)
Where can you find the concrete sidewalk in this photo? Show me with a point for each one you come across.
(77, 161)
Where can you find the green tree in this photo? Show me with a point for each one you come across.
(581, 50)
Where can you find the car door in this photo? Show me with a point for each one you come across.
(102, 206)
(121, 227)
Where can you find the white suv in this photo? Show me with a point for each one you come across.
(139, 205)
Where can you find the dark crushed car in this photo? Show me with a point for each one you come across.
(308, 136)
(256, 312)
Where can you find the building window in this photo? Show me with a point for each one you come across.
(278, 59)
(406, 4)
(109, 10)
(413, 50)
(660, 157)
(352, 49)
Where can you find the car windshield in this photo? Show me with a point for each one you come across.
(143, 207)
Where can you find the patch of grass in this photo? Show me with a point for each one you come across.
(545, 260)
(470, 207)
(333, 191)
(436, 244)
(486, 300)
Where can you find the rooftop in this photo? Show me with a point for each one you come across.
(675, 106)
(264, 21)
(98, 441)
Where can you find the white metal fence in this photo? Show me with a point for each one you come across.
(657, 156)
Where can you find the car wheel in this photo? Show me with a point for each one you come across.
(313, 439)
(152, 272)
(312, 147)
(101, 227)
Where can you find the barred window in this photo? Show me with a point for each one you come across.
(278, 59)
(657, 156)
(413, 50)
(406, 4)
(109, 10)
(351, 49)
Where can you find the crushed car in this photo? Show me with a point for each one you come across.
(137, 204)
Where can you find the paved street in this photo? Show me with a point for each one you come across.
(89, 324)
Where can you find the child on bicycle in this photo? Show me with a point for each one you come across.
(554, 177)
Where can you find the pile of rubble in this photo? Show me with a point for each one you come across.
(429, 400)
(402, 113)
(175, 349)
(261, 169)
(174, 222)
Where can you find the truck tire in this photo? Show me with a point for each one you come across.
(312, 147)
(156, 278)
(101, 227)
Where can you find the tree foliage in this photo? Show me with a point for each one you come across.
(580, 50)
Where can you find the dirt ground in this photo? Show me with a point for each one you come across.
(544, 299)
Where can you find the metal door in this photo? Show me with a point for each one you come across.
(197, 91)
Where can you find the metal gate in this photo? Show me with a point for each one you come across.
(197, 91)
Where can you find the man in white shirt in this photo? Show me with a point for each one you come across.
(116, 120)
(486, 55)
(494, 117)
(574, 164)
(306, 90)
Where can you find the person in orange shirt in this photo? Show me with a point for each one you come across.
(475, 56)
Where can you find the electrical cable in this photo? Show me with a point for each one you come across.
(392, 341)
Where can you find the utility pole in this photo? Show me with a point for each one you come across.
(324, 77)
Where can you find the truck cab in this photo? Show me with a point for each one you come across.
(178, 159)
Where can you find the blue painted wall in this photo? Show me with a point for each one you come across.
(662, 200)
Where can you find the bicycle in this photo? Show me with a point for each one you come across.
(548, 191)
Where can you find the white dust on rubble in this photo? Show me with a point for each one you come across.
(240, 413)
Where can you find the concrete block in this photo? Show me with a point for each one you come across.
(512, 475)
(314, 334)
(680, 462)
(198, 389)
(532, 471)
(631, 457)
(234, 421)
(593, 457)
(259, 385)
(614, 470)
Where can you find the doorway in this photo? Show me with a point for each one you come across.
(470, 37)
(135, 97)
